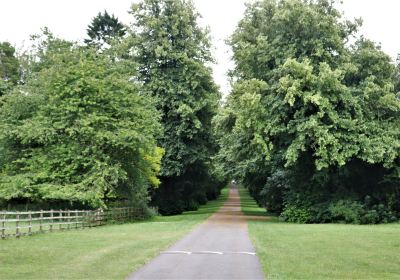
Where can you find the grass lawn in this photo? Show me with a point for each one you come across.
(325, 251)
(248, 205)
(107, 252)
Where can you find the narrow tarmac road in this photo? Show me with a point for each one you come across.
(219, 248)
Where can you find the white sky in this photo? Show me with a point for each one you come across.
(69, 19)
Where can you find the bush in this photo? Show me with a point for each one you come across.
(347, 211)
(356, 212)
(297, 214)
(271, 196)
(378, 214)
(297, 210)
(370, 217)
(192, 205)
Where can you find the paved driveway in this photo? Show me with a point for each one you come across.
(219, 248)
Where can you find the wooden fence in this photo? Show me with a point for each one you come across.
(26, 223)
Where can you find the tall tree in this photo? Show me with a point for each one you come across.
(9, 67)
(311, 124)
(103, 29)
(174, 53)
(78, 131)
(397, 77)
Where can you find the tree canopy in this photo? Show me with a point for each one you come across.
(311, 126)
(310, 118)
(103, 29)
(78, 131)
(9, 67)
(173, 53)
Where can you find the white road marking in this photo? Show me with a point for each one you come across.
(246, 253)
(208, 252)
(177, 252)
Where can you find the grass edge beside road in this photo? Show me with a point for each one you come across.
(107, 252)
(324, 251)
(248, 205)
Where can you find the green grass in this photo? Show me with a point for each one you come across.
(248, 204)
(108, 252)
(326, 251)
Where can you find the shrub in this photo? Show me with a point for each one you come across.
(192, 205)
(297, 214)
(347, 211)
(273, 192)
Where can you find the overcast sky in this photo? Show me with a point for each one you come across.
(69, 19)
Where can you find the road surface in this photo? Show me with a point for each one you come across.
(219, 248)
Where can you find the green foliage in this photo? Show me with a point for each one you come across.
(306, 104)
(173, 53)
(78, 131)
(9, 67)
(296, 214)
(103, 29)
(347, 210)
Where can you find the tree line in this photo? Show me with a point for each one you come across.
(312, 125)
(123, 118)
(132, 115)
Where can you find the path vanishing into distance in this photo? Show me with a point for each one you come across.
(220, 248)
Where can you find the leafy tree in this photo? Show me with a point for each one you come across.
(9, 67)
(397, 77)
(103, 29)
(310, 120)
(78, 131)
(173, 53)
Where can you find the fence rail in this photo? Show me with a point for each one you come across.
(17, 224)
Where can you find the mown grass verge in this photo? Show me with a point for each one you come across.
(324, 251)
(107, 252)
(249, 205)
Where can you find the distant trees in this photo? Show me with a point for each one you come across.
(173, 53)
(103, 29)
(77, 131)
(312, 126)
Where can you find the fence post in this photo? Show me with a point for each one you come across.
(3, 227)
(98, 218)
(60, 219)
(51, 220)
(68, 219)
(89, 218)
(84, 218)
(95, 218)
(30, 223)
(17, 226)
(41, 221)
(76, 219)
